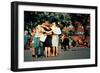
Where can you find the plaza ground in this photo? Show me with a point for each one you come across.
(74, 53)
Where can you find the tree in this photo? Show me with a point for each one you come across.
(32, 19)
(83, 19)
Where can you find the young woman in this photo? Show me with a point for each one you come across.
(42, 37)
(36, 42)
(47, 44)
(55, 38)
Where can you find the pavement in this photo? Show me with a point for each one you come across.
(74, 53)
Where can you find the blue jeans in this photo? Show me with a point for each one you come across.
(38, 45)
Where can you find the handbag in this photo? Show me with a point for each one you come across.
(43, 38)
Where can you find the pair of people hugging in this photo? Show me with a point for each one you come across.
(46, 38)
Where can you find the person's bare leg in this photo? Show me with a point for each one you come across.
(45, 51)
(33, 51)
(53, 51)
(57, 51)
(49, 52)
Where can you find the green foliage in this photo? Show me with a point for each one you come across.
(32, 19)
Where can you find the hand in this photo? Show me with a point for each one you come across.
(49, 32)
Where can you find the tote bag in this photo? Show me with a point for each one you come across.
(43, 37)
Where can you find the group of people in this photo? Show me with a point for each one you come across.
(45, 39)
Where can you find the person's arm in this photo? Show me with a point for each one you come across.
(48, 32)
(42, 30)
